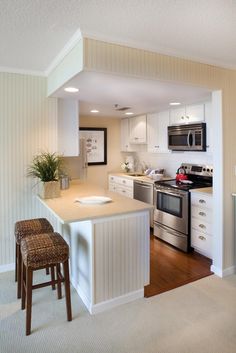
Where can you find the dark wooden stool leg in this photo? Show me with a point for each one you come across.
(16, 263)
(53, 276)
(59, 295)
(22, 285)
(67, 289)
(47, 270)
(19, 268)
(29, 283)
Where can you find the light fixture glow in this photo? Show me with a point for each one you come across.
(71, 89)
(94, 111)
(175, 103)
(129, 113)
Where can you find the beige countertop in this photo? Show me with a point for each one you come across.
(141, 178)
(203, 190)
(67, 210)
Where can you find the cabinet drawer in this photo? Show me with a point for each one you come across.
(128, 192)
(201, 200)
(202, 243)
(113, 179)
(125, 181)
(201, 225)
(202, 213)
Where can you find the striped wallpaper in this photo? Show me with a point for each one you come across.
(28, 124)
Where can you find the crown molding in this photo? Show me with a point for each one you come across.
(12, 70)
(66, 49)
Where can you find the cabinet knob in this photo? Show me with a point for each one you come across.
(187, 117)
(201, 237)
(156, 146)
(202, 226)
(202, 214)
(202, 201)
(182, 117)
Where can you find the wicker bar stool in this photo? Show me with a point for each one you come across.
(38, 252)
(25, 228)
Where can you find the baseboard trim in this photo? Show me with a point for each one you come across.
(112, 303)
(223, 273)
(108, 304)
(8, 267)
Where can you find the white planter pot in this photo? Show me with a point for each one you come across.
(50, 190)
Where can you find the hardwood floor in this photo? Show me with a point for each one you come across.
(171, 268)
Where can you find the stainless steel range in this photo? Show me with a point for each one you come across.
(173, 205)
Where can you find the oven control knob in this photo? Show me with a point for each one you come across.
(212, 170)
(208, 169)
(204, 169)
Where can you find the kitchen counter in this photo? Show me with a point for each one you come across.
(67, 210)
(203, 190)
(109, 245)
(141, 177)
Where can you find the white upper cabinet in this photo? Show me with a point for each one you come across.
(157, 139)
(187, 114)
(124, 138)
(68, 127)
(138, 129)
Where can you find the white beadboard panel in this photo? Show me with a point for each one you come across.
(121, 262)
(28, 125)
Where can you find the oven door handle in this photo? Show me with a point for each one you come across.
(170, 193)
(169, 230)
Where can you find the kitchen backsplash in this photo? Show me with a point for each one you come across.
(169, 161)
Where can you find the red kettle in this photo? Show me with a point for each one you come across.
(181, 174)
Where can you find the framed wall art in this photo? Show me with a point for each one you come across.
(96, 144)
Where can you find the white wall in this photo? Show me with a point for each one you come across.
(28, 125)
(172, 161)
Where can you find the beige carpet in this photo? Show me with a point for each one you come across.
(198, 317)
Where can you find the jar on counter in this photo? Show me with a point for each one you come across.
(64, 182)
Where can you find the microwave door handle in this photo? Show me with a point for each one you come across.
(188, 138)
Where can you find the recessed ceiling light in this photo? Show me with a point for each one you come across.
(71, 89)
(175, 103)
(94, 111)
(129, 113)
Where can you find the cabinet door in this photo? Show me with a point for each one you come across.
(124, 136)
(194, 113)
(177, 116)
(152, 133)
(162, 132)
(138, 129)
(68, 127)
(157, 137)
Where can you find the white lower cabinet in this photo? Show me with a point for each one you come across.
(201, 223)
(121, 185)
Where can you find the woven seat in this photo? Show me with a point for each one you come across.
(28, 228)
(44, 249)
(41, 251)
(31, 227)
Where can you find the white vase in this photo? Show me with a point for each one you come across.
(50, 189)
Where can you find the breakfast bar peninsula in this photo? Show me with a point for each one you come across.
(109, 237)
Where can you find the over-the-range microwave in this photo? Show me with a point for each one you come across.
(188, 137)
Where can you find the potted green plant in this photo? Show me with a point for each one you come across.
(46, 167)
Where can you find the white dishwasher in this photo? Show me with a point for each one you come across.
(143, 191)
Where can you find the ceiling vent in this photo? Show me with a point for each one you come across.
(120, 109)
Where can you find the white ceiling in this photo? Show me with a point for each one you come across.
(102, 92)
(32, 33)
